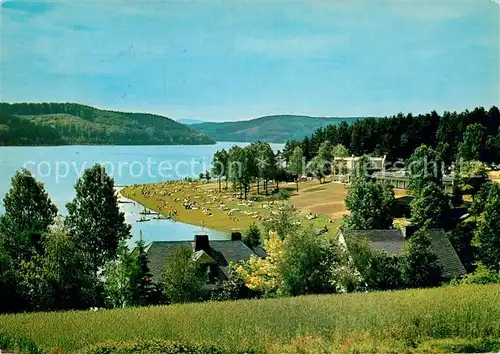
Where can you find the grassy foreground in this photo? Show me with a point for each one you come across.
(384, 321)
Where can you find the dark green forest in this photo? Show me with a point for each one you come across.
(271, 129)
(399, 135)
(76, 124)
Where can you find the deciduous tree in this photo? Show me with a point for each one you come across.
(472, 146)
(182, 280)
(370, 204)
(28, 214)
(430, 206)
(424, 167)
(419, 265)
(488, 234)
(296, 164)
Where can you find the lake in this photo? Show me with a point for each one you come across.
(58, 168)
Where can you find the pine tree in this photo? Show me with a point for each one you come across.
(141, 278)
(94, 218)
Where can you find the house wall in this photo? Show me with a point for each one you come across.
(400, 183)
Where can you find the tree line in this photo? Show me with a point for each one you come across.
(399, 135)
(51, 263)
(256, 162)
(71, 123)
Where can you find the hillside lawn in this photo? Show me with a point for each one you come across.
(378, 321)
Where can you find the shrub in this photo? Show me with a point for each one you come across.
(482, 275)
(283, 194)
(252, 236)
(19, 344)
(233, 288)
(461, 345)
(150, 347)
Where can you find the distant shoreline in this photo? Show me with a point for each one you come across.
(83, 145)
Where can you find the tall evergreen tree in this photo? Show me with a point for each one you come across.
(140, 280)
(94, 218)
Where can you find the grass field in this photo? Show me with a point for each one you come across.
(383, 322)
(325, 200)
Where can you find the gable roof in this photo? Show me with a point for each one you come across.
(447, 256)
(203, 258)
(221, 253)
(392, 242)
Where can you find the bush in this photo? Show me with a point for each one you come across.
(482, 275)
(150, 347)
(19, 344)
(461, 345)
(252, 236)
(233, 288)
(283, 194)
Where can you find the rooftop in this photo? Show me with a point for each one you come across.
(219, 252)
(392, 241)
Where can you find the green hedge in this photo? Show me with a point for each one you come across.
(19, 344)
(461, 345)
(151, 347)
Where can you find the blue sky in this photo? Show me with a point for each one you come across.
(222, 61)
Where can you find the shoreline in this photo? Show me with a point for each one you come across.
(138, 207)
(218, 211)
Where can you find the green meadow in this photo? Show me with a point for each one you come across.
(399, 321)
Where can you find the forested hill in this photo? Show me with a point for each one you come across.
(273, 129)
(76, 124)
(399, 135)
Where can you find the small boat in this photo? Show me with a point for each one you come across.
(161, 217)
(124, 201)
(143, 219)
(148, 212)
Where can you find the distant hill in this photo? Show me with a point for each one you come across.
(273, 129)
(76, 124)
(188, 121)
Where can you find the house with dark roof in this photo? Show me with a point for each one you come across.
(214, 256)
(393, 241)
(401, 180)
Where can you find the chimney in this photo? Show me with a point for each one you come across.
(408, 230)
(235, 236)
(201, 243)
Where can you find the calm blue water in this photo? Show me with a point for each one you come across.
(59, 167)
